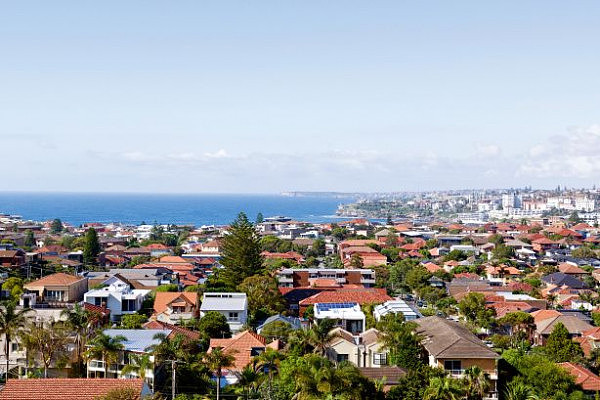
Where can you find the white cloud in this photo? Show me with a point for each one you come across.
(572, 155)
(487, 150)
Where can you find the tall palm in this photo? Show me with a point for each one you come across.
(106, 348)
(78, 319)
(321, 336)
(299, 342)
(444, 388)
(477, 383)
(270, 359)
(216, 361)
(517, 390)
(11, 322)
(248, 379)
(138, 365)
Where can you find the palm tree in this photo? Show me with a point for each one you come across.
(299, 342)
(138, 364)
(216, 360)
(444, 388)
(248, 379)
(107, 348)
(517, 390)
(11, 322)
(551, 299)
(477, 383)
(78, 319)
(320, 336)
(270, 359)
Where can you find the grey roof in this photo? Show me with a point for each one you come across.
(138, 340)
(223, 301)
(293, 322)
(561, 279)
(443, 338)
(574, 325)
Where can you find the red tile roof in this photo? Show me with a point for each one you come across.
(240, 346)
(360, 296)
(583, 376)
(64, 389)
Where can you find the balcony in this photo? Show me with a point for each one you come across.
(367, 280)
(340, 280)
(285, 279)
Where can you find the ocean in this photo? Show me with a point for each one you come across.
(197, 209)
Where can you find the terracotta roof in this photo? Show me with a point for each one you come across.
(541, 315)
(175, 330)
(431, 267)
(163, 299)
(240, 346)
(360, 296)
(64, 389)
(567, 268)
(59, 278)
(585, 378)
(173, 259)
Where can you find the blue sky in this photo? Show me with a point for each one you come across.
(268, 96)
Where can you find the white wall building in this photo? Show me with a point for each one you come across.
(118, 296)
(234, 306)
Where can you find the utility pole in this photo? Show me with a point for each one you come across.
(173, 378)
(173, 362)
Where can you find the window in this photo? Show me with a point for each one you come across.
(342, 357)
(233, 316)
(454, 366)
(380, 359)
(54, 295)
(128, 305)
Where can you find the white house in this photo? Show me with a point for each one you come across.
(234, 306)
(364, 350)
(137, 342)
(397, 306)
(117, 294)
(348, 315)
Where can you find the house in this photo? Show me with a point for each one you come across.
(576, 326)
(390, 376)
(59, 287)
(294, 323)
(12, 258)
(117, 294)
(396, 306)
(137, 342)
(500, 275)
(560, 279)
(586, 379)
(360, 296)
(363, 350)
(175, 307)
(572, 269)
(68, 388)
(304, 277)
(234, 306)
(451, 346)
(347, 315)
(138, 277)
(243, 347)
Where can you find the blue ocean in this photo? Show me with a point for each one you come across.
(197, 209)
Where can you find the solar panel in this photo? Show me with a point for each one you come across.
(332, 306)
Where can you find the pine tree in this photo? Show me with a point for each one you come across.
(91, 247)
(241, 252)
(559, 347)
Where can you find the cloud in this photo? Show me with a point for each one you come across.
(572, 155)
(487, 150)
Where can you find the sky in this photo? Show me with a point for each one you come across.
(271, 96)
